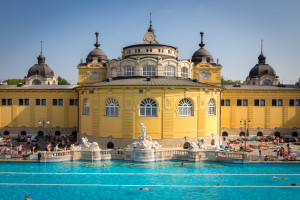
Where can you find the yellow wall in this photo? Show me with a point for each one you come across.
(65, 116)
(268, 116)
(167, 124)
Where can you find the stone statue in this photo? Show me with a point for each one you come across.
(85, 145)
(193, 146)
(143, 131)
(144, 142)
(201, 143)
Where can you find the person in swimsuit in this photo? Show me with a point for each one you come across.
(104, 166)
(142, 189)
(279, 178)
(294, 184)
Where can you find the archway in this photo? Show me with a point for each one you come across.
(23, 132)
(74, 133)
(260, 134)
(40, 133)
(6, 133)
(277, 134)
(57, 133)
(186, 145)
(294, 134)
(242, 134)
(224, 134)
(110, 145)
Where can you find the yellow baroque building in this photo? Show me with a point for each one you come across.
(178, 100)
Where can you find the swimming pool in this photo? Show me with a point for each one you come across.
(168, 180)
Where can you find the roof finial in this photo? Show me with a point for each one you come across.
(97, 44)
(150, 29)
(150, 19)
(201, 44)
(261, 47)
(41, 46)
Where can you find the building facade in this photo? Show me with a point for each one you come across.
(178, 100)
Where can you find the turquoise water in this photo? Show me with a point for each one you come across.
(168, 180)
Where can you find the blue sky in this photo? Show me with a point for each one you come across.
(233, 30)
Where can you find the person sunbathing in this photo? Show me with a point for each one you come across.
(279, 178)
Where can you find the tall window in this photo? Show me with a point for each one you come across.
(185, 107)
(111, 107)
(148, 108)
(86, 107)
(128, 71)
(169, 71)
(211, 107)
(184, 72)
(149, 70)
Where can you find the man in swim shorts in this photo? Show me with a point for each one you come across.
(279, 178)
(294, 184)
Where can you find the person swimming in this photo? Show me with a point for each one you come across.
(104, 166)
(217, 184)
(279, 178)
(142, 188)
(293, 184)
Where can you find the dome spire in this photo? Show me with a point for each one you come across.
(41, 58)
(150, 29)
(97, 44)
(201, 44)
(261, 57)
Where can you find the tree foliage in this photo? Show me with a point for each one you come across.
(14, 81)
(231, 82)
(62, 81)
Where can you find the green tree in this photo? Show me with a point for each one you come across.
(231, 82)
(62, 81)
(14, 81)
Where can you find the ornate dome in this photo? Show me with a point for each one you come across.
(96, 54)
(261, 68)
(41, 68)
(202, 53)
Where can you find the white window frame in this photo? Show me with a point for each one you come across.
(211, 107)
(149, 70)
(148, 108)
(169, 71)
(185, 108)
(184, 72)
(112, 107)
(86, 107)
(128, 71)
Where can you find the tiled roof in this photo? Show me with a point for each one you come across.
(154, 81)
(261, 87)
(37, 87)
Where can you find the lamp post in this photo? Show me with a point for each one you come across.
(44, 121)
(245, 121)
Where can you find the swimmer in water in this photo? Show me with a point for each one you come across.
(104, 166)
(219, 183)
(294, 184)
(142, 188)
(182, 164)
(279, 178)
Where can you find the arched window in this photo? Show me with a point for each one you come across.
(211, 107)
(86, 107)
(260, 134)
(149, 70)
(111, 107)
(224, 134)
(6, 133)
(128, 71)
(277, 134)
(148, 108)
(169, 71)
(242, 134)
(36, 82)
(184, 72)
(40, 133)
(185, 107)
(23, 132)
